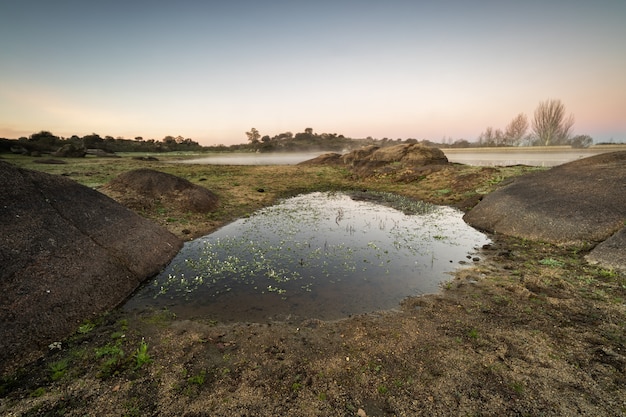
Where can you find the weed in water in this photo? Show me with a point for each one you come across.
(161, 318)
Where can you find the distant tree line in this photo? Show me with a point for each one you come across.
(550, 126)
(47, 142)
(303, 141)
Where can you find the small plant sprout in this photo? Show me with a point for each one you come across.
(86, 327)
(58, 369)
(551, 263)
(141, 355)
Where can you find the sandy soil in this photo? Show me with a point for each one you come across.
(528, 330)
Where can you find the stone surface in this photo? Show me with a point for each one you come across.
(579, 203)
(142, 188)
(67, 253)
(611, 253)
(373, 160)
(70, 151)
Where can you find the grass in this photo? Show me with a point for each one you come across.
(58, 369)
(552, 263)
(86, 327)
(473, 334)
(142, 357)
(198, 379)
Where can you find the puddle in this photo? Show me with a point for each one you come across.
(319, 255)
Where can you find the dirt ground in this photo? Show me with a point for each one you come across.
(530, 329)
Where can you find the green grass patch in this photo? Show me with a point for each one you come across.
(58, 369)
(142, 357)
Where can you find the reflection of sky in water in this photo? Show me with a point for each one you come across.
(319, 255)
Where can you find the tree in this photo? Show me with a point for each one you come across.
(491, 137)
(45, 139)
(550, 127)
(169, 140)
(581, 141)
(92, 141)
(515, 131)
(253, 135)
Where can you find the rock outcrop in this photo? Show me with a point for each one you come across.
(142, 188)
(577, 203)
(67, 254)
(373, 160)
(69, 150)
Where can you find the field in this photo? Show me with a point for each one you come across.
(530, 329)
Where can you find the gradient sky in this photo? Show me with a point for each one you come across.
(210, 70)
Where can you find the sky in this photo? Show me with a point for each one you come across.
(212, 70)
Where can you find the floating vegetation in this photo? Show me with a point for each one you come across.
(330, 245)
(401, 203)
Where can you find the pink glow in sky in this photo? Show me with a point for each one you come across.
(400, 69)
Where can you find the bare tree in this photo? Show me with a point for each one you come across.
(491, 137)
(516, 130)
(550, 126)
(486, 138)
(581, 141)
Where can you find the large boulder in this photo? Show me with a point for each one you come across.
(142, 188)
(69, 150)
(374, 160)
(67, 254)
(578, 203)
(410, 154)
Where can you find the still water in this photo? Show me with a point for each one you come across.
(532, 156)
(319, 255)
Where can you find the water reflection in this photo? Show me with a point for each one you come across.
(319, 255)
